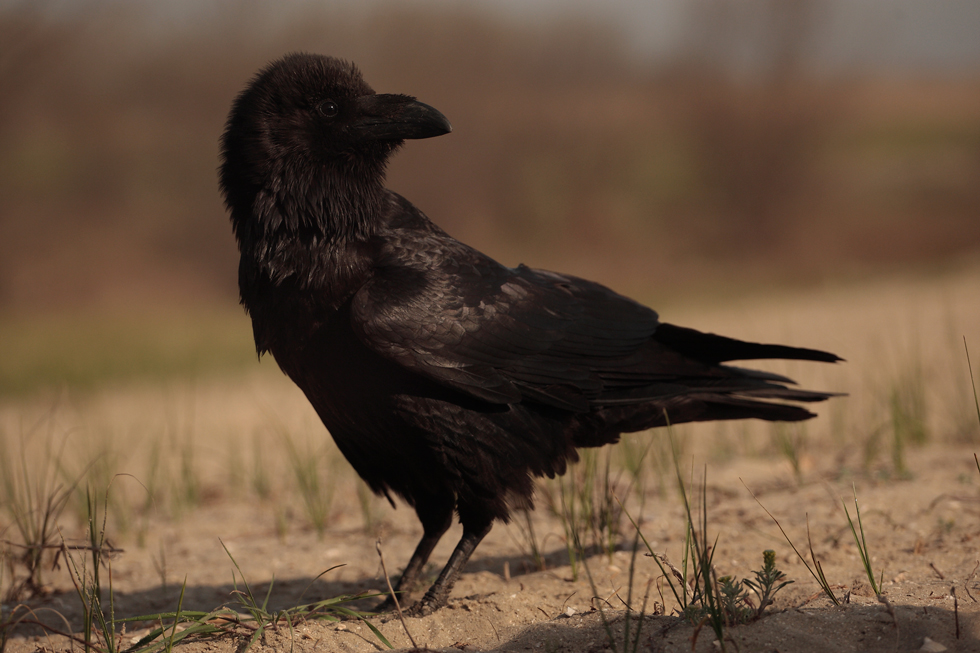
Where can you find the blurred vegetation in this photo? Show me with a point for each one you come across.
(82, 351)
(568, 152)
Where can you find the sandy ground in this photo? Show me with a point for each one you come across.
(923, 534)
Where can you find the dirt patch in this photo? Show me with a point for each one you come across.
(923, 534)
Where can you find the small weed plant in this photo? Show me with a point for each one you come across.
(768, 581)
(316, 489)
(790, 439)
(908, 412)
(702, 597)
(34, 500)
(98, 611)
(862, 545)
(817, 569)
(587, 501)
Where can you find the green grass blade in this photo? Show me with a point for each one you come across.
(180, 604)
(189, 615)
(862, 544)
(248, 590)
(318, 577)
(268, 594)
(668, 575)
(377, 633)
(976, 399)
(357, 615)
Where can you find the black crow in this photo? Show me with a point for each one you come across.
(444, 377)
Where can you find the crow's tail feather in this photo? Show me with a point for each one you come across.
(695, 407)
(713, 349)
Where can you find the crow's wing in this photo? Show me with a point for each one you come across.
(505, 334)
(453, 314)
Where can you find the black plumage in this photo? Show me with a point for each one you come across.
(445, 377)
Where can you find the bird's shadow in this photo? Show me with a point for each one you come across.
(63, 611)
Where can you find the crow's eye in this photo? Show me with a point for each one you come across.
(328, 109)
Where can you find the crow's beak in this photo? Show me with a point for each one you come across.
(397, 117)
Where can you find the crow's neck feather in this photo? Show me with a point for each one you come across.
(297, 226)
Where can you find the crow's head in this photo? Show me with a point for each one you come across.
(310, 126)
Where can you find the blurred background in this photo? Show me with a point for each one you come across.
(667, 148)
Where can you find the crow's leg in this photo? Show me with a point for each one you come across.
(438, 594)
(436, 515)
